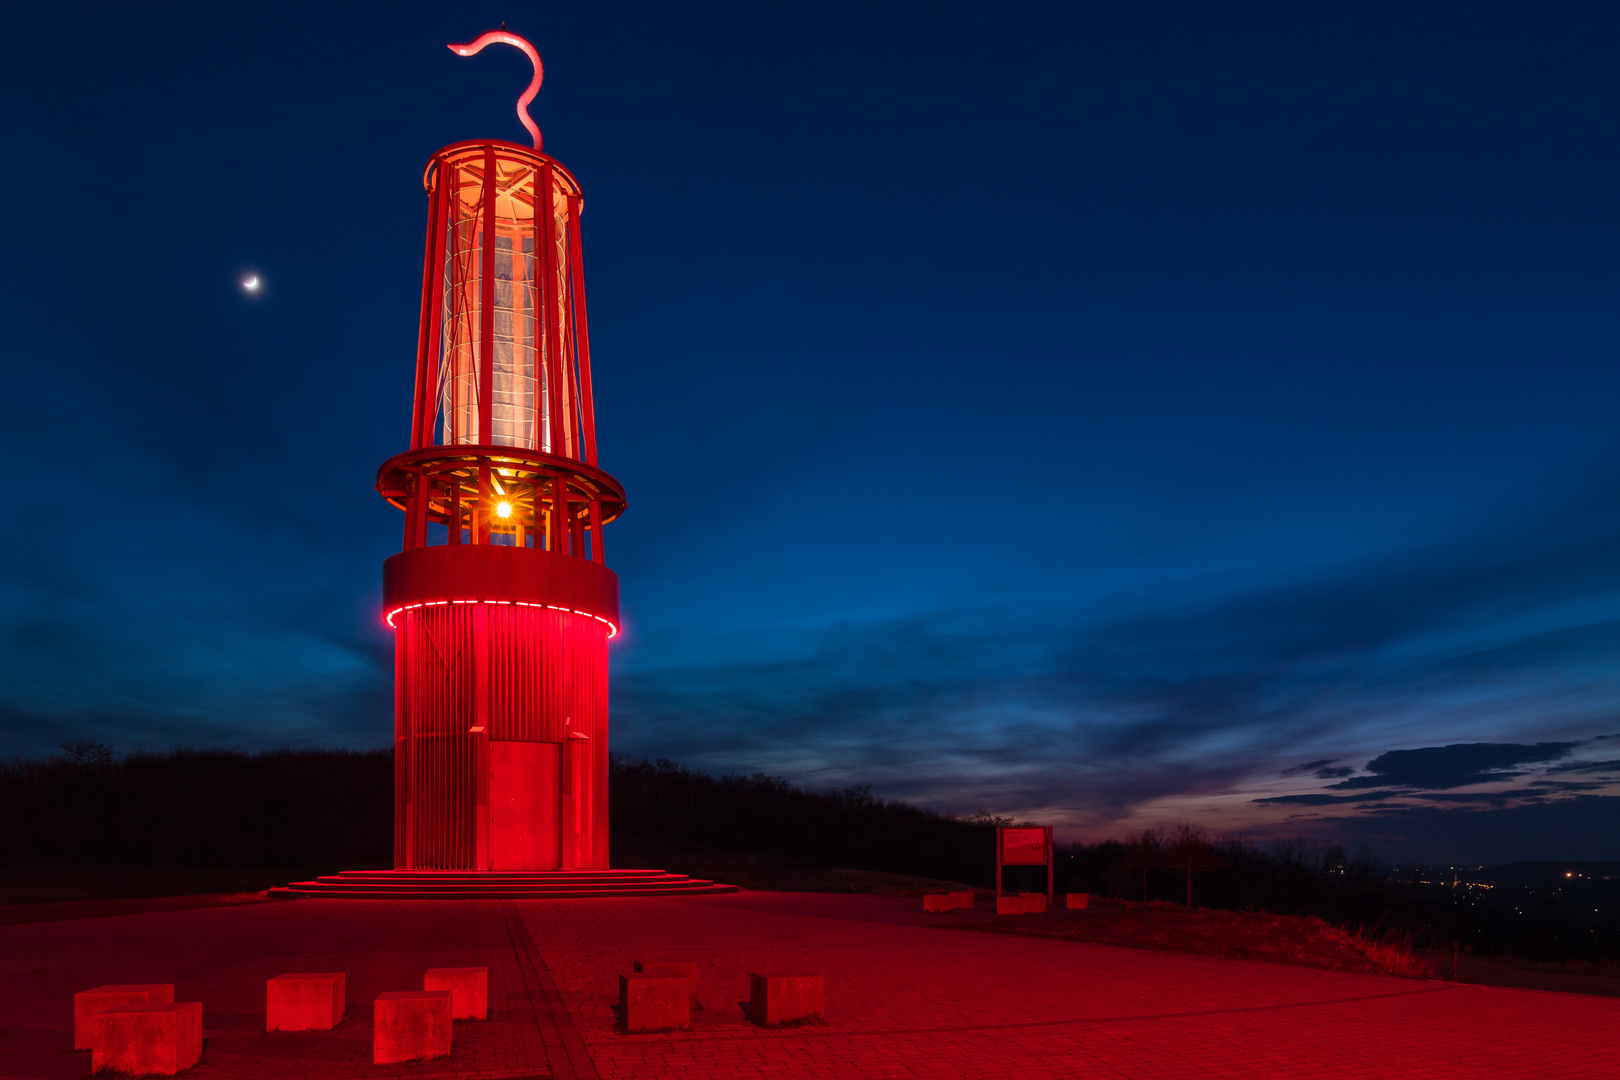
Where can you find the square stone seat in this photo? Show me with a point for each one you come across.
(785, 997)
(963, 899)
(469, 990)
(1009, 905)
(162, 1037)
(654, 1002)
(304, 1001)
(686, 968)
(1034, 902)
(938, 902)
(411, 1025)
(1077, 901)
(87, 1003)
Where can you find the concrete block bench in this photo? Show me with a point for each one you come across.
(161, 1037)
(784, 997)
(469, 990)
(411, 1025)
(87, 1003)
(1029, 903)
(304, 1001)
(654, 1002)
(949, 901)
(1077, 901)
(685, 968)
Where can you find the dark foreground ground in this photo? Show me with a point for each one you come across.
(908, 995)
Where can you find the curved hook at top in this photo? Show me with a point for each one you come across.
(472, 48)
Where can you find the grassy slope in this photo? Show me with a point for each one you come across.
(1233, 935)
(44, 883)
(768, 872)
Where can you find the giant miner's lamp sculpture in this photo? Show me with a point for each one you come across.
(501, 601)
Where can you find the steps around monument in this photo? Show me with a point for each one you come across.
(497, 885)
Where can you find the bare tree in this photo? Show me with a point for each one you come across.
(1188, 849)
(86, 753)
(1143, 852)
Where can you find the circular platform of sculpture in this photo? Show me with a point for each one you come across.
(497, 885)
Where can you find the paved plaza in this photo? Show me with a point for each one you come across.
(908, 995)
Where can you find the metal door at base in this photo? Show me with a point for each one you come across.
(523, 805)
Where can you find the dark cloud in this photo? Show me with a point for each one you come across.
(1457, 765)
(1540, 789)
(1323, 769)
(1611, 765)
(1318, 799)
(1492, 798)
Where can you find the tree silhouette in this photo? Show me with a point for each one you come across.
(1188, 849)
(1143, 852)
(87, 753)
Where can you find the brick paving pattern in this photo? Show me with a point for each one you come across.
(907, 996)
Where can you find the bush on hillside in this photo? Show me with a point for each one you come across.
(849, 827)
(198, 806)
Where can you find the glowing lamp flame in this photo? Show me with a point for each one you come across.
(503, 509)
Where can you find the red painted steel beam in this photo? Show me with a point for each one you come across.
(424, 318)
(576, 430)
(545, 227)
(480, 735)
(435, 351)
(415, 512)
(596, 532)
(559, 514)
(455, 509)
(480, 514)
(582, 332)
(486, 305)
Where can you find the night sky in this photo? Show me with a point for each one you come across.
(1108, 415)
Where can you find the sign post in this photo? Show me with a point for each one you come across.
(1024, 847)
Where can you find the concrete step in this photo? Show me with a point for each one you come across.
(497, 885)
(439, 876)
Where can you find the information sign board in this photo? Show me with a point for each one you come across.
(1023, 847)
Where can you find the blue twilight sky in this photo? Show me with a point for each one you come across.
(1105, 414)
